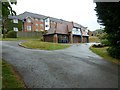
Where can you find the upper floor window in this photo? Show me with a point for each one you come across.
(28, 20)
(41, 20)
(15, 20)
(29, 28)
(41, 25)
(36, 19)
(37, 25)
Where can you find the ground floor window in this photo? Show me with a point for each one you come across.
(63, 39)
(15, 29)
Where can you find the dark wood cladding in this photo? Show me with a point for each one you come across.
(85, 39)
(48, 38)
(76, 39)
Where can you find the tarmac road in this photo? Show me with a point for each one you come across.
(74, 67)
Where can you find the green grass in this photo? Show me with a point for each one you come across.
(103, 53)
(17, 39)
(37, 44)
(94, 39)
(10, 79)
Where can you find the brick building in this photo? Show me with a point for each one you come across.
(58, 30)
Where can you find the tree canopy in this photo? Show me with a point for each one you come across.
(6, 11)
(108, 15)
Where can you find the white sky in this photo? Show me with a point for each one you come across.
(79, 11)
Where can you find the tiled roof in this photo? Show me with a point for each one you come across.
(25, 14)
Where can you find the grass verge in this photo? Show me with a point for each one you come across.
(94, 39)
(103, 53)
(10, 78)
(37, 44)
(17, 39)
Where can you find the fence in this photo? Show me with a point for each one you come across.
(29, 34)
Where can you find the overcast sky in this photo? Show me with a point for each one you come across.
(79, 11)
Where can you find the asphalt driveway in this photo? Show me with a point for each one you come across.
(74, 67)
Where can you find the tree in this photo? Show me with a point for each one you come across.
(6, 11)
(108, 15)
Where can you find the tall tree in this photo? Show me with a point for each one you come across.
(109, 16)
(6, 11)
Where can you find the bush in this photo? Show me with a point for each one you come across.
(12, 34)
(105, 42)
(98, 45)
(114, 52)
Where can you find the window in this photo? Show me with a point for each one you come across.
(15, 29)
(36, 19)
(46, 20)
(41, 25)
(36, 30)
(15, 20)
(46, 25)
(28, 20)
(29, 28)
(37, 25)
(41, 20)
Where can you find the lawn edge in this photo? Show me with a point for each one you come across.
(17, 74)
(104, 57)
(21, 45)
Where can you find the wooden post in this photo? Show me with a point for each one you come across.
(71, 38)
(55, 38)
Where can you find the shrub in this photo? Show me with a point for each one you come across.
(12, 34)
(105, 42)
(98, 45)
(114, 52)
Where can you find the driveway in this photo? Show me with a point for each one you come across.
(74, 67)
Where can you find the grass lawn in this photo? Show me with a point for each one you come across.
(94, 39)
(103, 53)
(17, 39)
(10, 79)
(37, 44)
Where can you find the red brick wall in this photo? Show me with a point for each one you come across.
(33, 25)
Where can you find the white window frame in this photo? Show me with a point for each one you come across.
(15, 29)
(36, 19)
(28, 20)
(36, 25)
(41, 25)
(29, 28)
(36, 30)
(41, 20)
(15, 20)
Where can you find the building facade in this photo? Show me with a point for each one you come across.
(58, 30)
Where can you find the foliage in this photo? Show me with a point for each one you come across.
(9, 25)
(108, 16)
(103, 53)
(12, 34)
(6, 11)
(98, 45)
(10, 79)
(105, 42)
(94, 39)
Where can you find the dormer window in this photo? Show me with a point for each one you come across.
(29, 20)
(15, 20)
